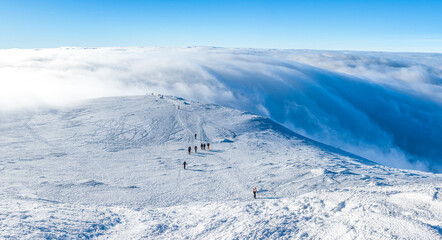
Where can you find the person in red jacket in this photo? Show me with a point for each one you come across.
(254, 192)
(195, 148)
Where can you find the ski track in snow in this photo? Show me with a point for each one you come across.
(112, 169)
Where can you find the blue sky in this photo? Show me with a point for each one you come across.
(310, 24)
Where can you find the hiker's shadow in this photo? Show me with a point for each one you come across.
(201, 154)
(217, 151)
(196, 170)
(265, 197)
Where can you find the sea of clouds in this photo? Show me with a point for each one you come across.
(386, 107)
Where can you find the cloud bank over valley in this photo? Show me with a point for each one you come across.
(386, 107)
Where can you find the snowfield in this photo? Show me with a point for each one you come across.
(111, 168)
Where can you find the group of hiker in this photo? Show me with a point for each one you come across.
(189, 149)
(203, 147)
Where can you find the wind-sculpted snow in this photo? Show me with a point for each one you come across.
(386, 107)
(111, 168)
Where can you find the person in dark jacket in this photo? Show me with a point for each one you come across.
(254, 192)
(184, 164)
(189, 149)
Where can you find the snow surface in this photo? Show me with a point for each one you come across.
(111, 168)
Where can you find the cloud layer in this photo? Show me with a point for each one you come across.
(383, 106)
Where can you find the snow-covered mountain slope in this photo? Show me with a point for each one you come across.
(111, 168)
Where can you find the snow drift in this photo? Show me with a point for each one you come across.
(383, 106)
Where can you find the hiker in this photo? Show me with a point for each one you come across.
(254, 192)
(195, 148)
(204, 146)
(201, 147)
(184, 164)
(189, 149)
(195, 136)
(208, 146)
(178, 107)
